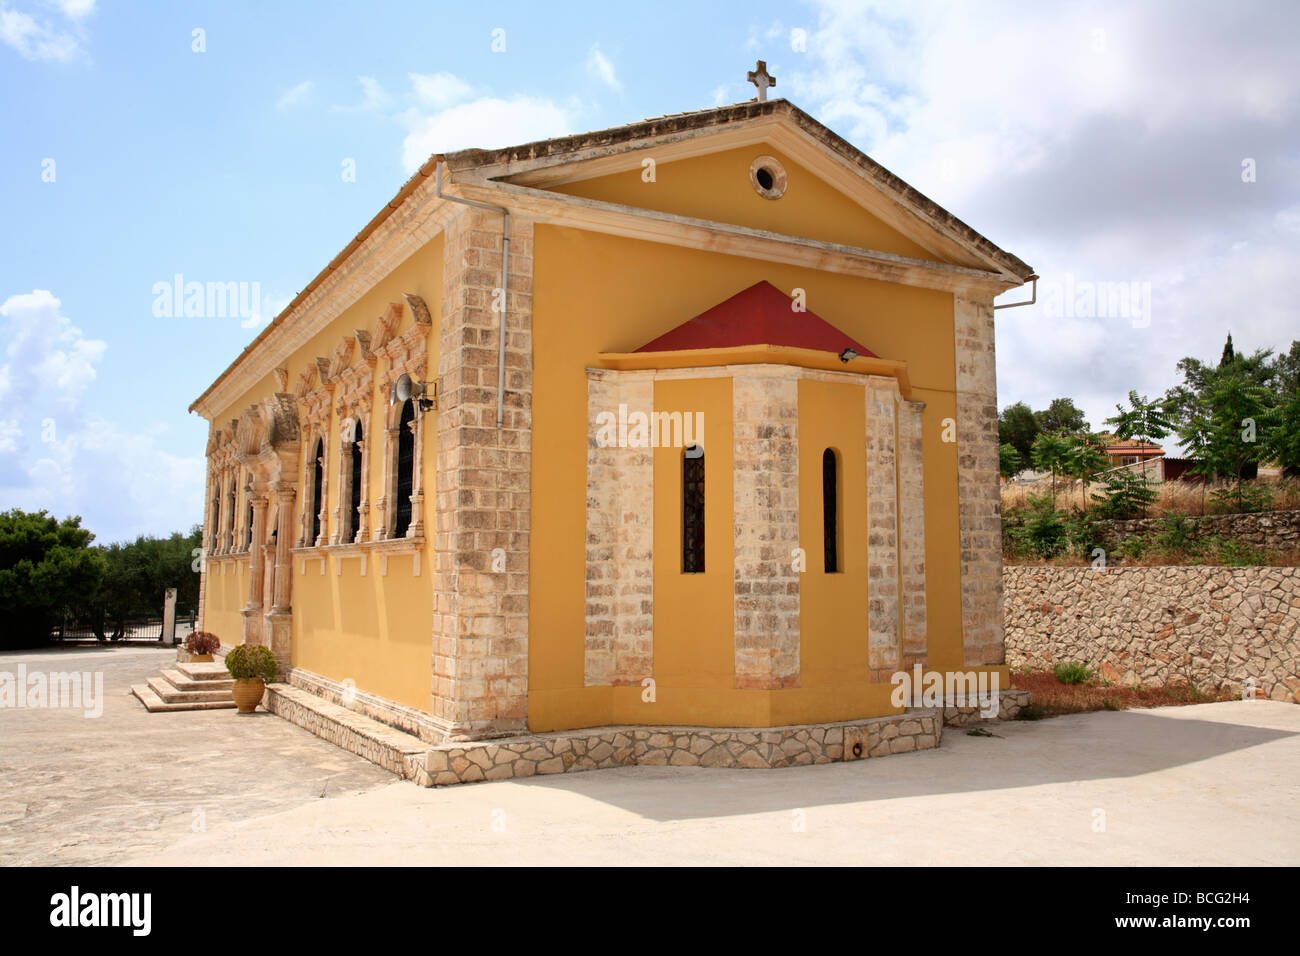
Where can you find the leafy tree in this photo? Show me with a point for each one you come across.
(1284, 442)
(1050, 455)
(1085, 456)
(1018, 427)
(1146, 420)
(1124, 495)
(1240, 427)
(1061, 417)
(45, 565)
(1009, 462)
(138, 573)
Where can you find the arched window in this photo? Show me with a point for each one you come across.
(248, 530)
(831, 510)
(317, 481)
(693, 510)
(405, 468)
(354, 526)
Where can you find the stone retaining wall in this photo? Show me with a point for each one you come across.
(1271, 530)
(605, 747)
(1215, 627)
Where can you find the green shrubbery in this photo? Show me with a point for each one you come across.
(250, 662)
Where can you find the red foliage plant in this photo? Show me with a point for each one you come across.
(202, 642)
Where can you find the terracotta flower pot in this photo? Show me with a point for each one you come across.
(200, 658)
(248, 694)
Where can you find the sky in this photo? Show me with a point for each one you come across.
(1143, 157)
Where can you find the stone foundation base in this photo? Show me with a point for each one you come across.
(601, 748)
(1010, 704)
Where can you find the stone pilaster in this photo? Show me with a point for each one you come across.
(765, 403)
(482, 494)
(911, 533)
(620, 536)
(978, 494)
(882, 528)
(256, 568)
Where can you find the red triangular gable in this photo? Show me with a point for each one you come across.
(760, 315)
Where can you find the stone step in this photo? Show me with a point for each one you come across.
(206, 671)
(173, 695)
(395, 751)
(155, 704)
(181, 682)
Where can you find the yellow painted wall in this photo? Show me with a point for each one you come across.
(226, 594)
(374, 630)
(718, 187)
(595, 293)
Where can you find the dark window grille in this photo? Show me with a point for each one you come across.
(405, 468)
(356, 480)
(693, 510)
(248, 535)
(317, 480)
(830, 511)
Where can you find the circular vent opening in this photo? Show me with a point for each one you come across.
(768, 176)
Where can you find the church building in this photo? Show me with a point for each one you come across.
(687, 422)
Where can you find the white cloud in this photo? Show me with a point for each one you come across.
(439, 90)
(488, 122)
(37, 39)
(599, 66)
(55, 457)
(1101, 141)
(294, 95)
(374, 97)
(46, 352)
(74, 9)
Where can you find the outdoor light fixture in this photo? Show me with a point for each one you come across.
(405, 387)
(848, 355)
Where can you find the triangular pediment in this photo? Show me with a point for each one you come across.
(760, 315)
(908, 223)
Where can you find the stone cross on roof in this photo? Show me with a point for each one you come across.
(762, 80)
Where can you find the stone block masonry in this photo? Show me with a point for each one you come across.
(480, 615)
(978, 490)
(619, 640)
(765, 403)
(603, 748)
(1214, 627)
(1269, 530)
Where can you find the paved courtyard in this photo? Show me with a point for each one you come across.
(1210, 784)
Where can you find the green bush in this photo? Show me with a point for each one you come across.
(1249, 496)
(1074, 672)
(1236, 554)
(1124, 495)
(247, 662)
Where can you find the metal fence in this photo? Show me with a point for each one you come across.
(98, 624)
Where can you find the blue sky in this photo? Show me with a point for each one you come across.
(1101, 143)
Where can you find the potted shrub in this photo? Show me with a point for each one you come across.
(201, 645)
(251, 667)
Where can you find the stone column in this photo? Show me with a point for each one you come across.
(911, 534)
(765, 410)
(619, 647)
(362, 531)
(882, 528)
(416, 528)
(256, 569)
(386, 505)
(284, 493)
(482, 495)
(978, 493)
(280, 617)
